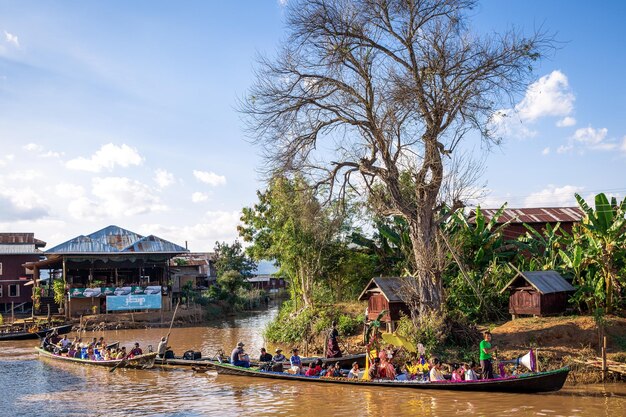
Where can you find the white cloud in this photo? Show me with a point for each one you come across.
(553, 196)
(33, 147)
(25, 175)
(69, 191)
(107, 157)
(283, 3)
(566, 122)
(199, 197)
(623, 147)
(21, 204)
(163, 178)
(210, 178)
(51, 154)
(546, 151)
(589, 135)
(548, 96)
(115, 197)
(564, 148)
(11, 38)
(214, 226)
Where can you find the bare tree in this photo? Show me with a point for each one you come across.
(365, 91)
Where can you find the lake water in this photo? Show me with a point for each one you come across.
(43, 387)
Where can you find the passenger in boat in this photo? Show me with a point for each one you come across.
(470, 373)
(279, 357)
(121, 354)
(295, 361)
(435, 371)
(94, 342)
(334, 371)
(354, 371)
(100, 343)
(315, 368)
(265, 357)
(374, 371)
(238, 357)
(91, 354)
(136, 351)
(64, 343)
(324, 369)
(485, 356)
(386, 371)
(71, 353)
(456, 372)
(332, 348)
(107, 354)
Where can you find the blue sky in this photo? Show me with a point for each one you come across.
(124, 113)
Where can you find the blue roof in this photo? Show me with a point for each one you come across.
(114, 239)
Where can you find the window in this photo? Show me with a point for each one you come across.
(14, 290)
(0, 291)
(0, 268)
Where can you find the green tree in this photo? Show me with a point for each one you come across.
(290, 226)
(233, 258)
(231, 281)
(364, 92)
(605, 227)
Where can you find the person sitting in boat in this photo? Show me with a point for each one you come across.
(332, 348)
(71, 353)
(485, 356)
(279, 357)
(470, 374)
(100, 344)
(94, 342)
(435, 371)
(238, 357)
(265, 357)
(296, 362)
(354, 371)
(91, 354)
(386, 371)
(315, 368)
(374, 371)
(334, 371)
(121, 354)
(136, 351)
(456, 372)
(107, 354)
(64, 344)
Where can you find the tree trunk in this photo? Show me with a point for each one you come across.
(428, 291)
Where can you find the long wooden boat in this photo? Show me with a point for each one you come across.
(523, 383)
(345, 361)
(144, 361)
(24, 334)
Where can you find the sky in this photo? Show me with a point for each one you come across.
(125, 113)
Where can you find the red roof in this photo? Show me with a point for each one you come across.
(534, 215)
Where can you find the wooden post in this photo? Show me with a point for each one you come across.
(604, 368)
(12, 312)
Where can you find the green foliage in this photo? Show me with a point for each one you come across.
(180, 262)
(296, 326)
(1, 320)
(231, 281)
(430, 332)
(232, 258)
(58, 287)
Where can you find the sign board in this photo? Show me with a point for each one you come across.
(110, 291)
(133, 302)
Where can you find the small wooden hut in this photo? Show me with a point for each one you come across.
(384, 293)
(538, 293)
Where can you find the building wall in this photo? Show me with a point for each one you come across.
(12, 270)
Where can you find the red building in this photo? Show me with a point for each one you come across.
(537, 218)
(385, 294)
(16, 249)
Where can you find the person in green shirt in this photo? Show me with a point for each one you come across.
(485, 356)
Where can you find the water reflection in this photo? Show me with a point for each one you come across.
(36, 387)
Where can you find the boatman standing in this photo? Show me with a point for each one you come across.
(485, 356)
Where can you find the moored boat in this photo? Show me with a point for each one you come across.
(523, 383)
(144, 361)
(25, 334)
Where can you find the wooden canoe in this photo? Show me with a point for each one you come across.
(24, 335)
(144, 361)
(524, 383)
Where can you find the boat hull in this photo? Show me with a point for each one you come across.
(345, 361)
(35, 335)
(144, 361)
(527, 383)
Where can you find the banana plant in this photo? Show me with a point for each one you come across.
(606, 229)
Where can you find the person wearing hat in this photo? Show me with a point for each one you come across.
(238, 356)
(279, 357)
(296, 362)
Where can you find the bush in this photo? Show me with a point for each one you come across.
(1, 319)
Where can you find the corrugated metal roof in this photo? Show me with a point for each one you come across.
(18, 249)
(114, 239)
(390, 287)
(546, 282)
(534, 215)
(21, 238)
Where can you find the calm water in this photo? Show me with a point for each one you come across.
(36, 387)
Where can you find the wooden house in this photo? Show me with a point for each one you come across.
(384, 293)
(538, 293)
